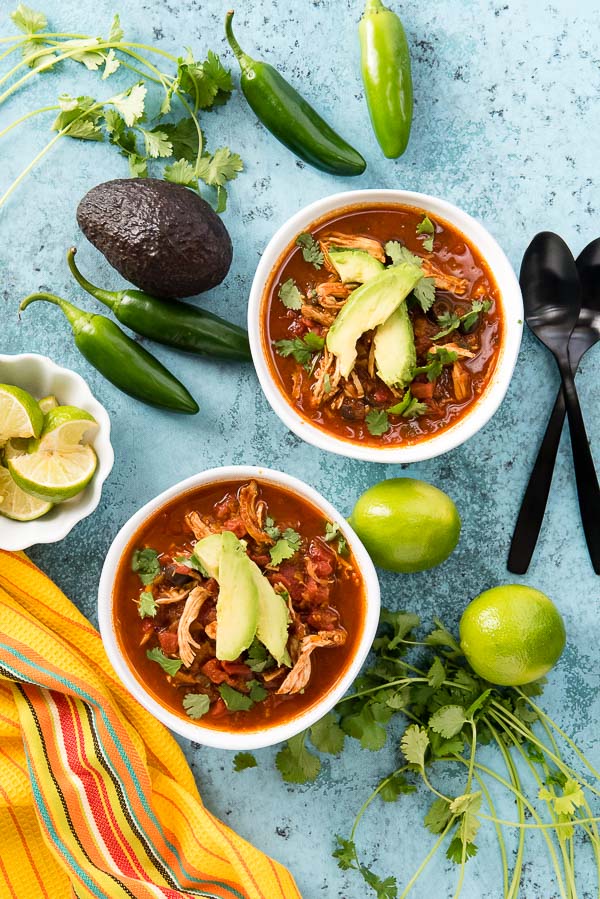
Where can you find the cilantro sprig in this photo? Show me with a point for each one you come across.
(450, 321)
(145, 564)
(424, 292)
(122, 118)
(378, 422)
(290, 295)
(427, 228)
(302, 349)
(448, 713)
(311, 251)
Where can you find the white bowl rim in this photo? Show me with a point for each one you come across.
(26, 534)
(192, 730)
(512, 305)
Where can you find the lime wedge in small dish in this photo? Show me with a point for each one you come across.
(16, 504)
(54, 476)
(20, 414)
(65, 427)
(47, 403)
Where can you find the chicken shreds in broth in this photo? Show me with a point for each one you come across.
(416, 370)
(166, 606)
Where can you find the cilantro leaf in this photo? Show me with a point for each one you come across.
(427, 227)
(244, 760)
(327, 736)
(130, 104)
(437, 358)
(424, 293)
(79, 116)
(436, 674)
(366, 725)
(157, 143)
(184, 138)
(138, 166)
(116, 33)
(454, 852)
(345, 853)
(414, 745)
(450, 321)
(408, 407)
(296, 764)
(111, 64)
(258, 657)
(384, 889)
(332, 532)
(301, 349)
(181, 172)
(147, 607)
(572, 798)
(394, 787)
(28, 20)
(145, 564)
(438, 816)
(257, 691)
(289, 295)
(377, 422)
(222, 166)
(84, 50)
(286, 547)
(169, 666)
(196, 704)
(398, 253)
(401, 623)
(448, 721)
(234, 700)
(311, 250)
(442, 637)
(207, 83)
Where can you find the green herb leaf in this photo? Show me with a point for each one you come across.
(571, 799)
(401, 623)
(377, 422)
(311, 250)
(289, 295)
(244, 760)
(286, 547)
(147, 606)
(437, 358)
(184, 138)
(181, 172)
(169, 666)
(448, 721)
(257, 691)
(366, 725)
(157, 143)
(424, 293)
(414, 745)
(438, 816)
(441, 636)
(258, 657)
(79, 115)
(384, 889)
(399, 253)
(196, 704)
(219, 168)
(345, 853)
(436, 674)
(130, 104)
(395, 787)
(28, 20)
(427, 227)
(296, 764)
(111, 64)
(332, 532)
(145, 564)
(138, 166)
(116, 33)
(234, 700)
(84, 50)
(301, 349)
(207, 83)
(408, 407)
(454, 852)
(450, 321)
(327, 736)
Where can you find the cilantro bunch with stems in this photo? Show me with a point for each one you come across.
(450, 713)
(121, 118)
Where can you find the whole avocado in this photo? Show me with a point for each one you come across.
(161, 237)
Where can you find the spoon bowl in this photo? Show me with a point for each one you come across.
(551, 290)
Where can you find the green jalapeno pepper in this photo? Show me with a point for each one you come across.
(120, 359)
(174, 324)
(290, 118)
(385, 62)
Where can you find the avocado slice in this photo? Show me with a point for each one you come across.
(354, 266)
(208, 553)
(368, 307)
(395, 352)
(237, 605)
(273, 617)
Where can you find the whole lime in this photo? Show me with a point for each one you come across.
(512, 635)
(406, 525)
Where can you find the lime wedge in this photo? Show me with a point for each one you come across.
(16, 504)
(20, 415)
(64, 428)
(55, 476)
(47, 403)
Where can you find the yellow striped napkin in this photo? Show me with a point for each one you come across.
(96, 797)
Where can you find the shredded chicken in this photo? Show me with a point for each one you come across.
(299, 676)
(328, 367)
(333, 289)
(248, 511)
(186, 642)
(317, 315)
(461, 381)
(211, 630)
(297, 384)
(451, 283)
(197, 526)
(326, 257)
(460, 351)
(360, 392)
(371, 362)
(310, 568)
(172, 594)
(369, 244)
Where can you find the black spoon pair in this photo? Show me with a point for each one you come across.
(562, 308)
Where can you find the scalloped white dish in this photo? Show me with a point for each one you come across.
(40, 376)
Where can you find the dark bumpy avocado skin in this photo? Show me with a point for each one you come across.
(161, 237)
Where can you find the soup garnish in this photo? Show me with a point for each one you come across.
(383, 325)
(229, 604)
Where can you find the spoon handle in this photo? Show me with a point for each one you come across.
(535, 499)
(588, 489)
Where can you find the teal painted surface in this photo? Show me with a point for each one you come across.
(506, 113)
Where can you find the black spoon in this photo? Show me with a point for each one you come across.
(551, 287)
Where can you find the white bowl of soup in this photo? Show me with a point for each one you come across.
(216, 661)
(384, 325)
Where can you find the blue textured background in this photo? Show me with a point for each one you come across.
(506, 126)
